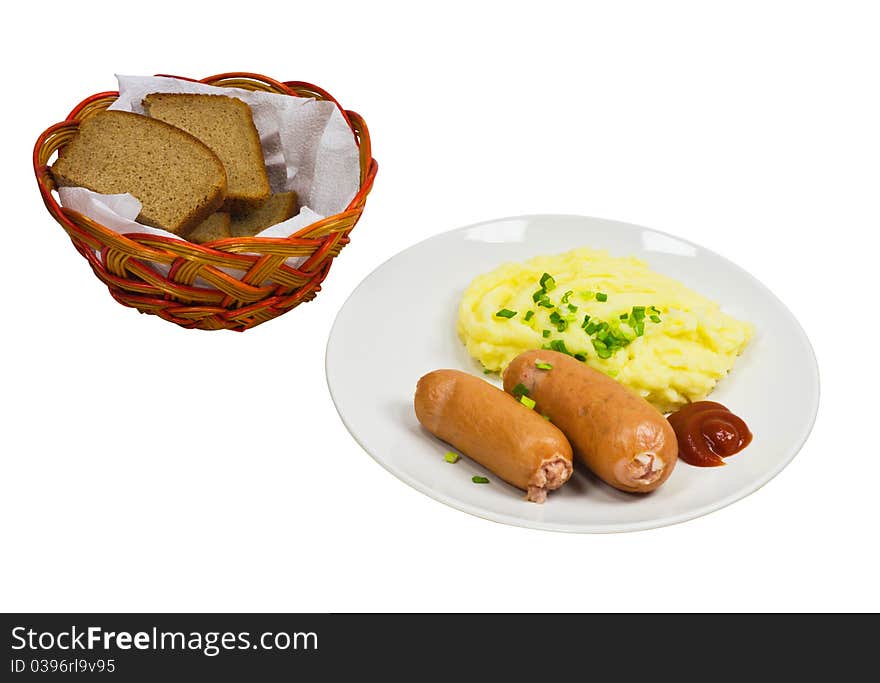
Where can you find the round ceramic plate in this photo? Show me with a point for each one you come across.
(400, 323)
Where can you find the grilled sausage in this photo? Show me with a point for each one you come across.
(494, 429)
(621, 437)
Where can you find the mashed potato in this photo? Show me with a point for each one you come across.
(661, 339)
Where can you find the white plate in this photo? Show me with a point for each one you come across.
(400, 324)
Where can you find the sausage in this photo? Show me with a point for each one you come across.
(621, 437)
(494, 429)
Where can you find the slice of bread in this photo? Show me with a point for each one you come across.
(178, 180)
(279, 207)
(214, 227)
(226, 125)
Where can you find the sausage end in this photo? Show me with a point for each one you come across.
(643, 473)
(552, 474)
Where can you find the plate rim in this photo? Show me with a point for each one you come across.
(504, 518)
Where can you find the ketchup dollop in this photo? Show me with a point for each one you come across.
(707, 432)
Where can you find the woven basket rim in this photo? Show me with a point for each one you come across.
(355, 122)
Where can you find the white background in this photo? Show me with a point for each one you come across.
(148, 467)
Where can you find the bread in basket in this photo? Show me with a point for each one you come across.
(267, 287)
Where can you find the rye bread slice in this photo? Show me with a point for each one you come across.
(279, 207)
(214, 227)
(226, 125)
(178, 180)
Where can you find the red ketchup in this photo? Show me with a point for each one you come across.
(707, 432)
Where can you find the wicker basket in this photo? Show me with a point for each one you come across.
(267, 287)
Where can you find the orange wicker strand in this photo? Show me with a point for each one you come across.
(198, 290)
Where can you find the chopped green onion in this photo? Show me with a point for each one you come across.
(527, 402)
(451, 457)
(559, 345)
(601, 349)
(540, 294)
(488, 372)
(546, 417)
(546, 303)
(505, 313)
(607, 338)
(547, 282)
(572, 308)
(543, 366)
(545, 333)
(566, 295)
(479, 480)
(520, 390)
(529, 315)
(560, 322)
